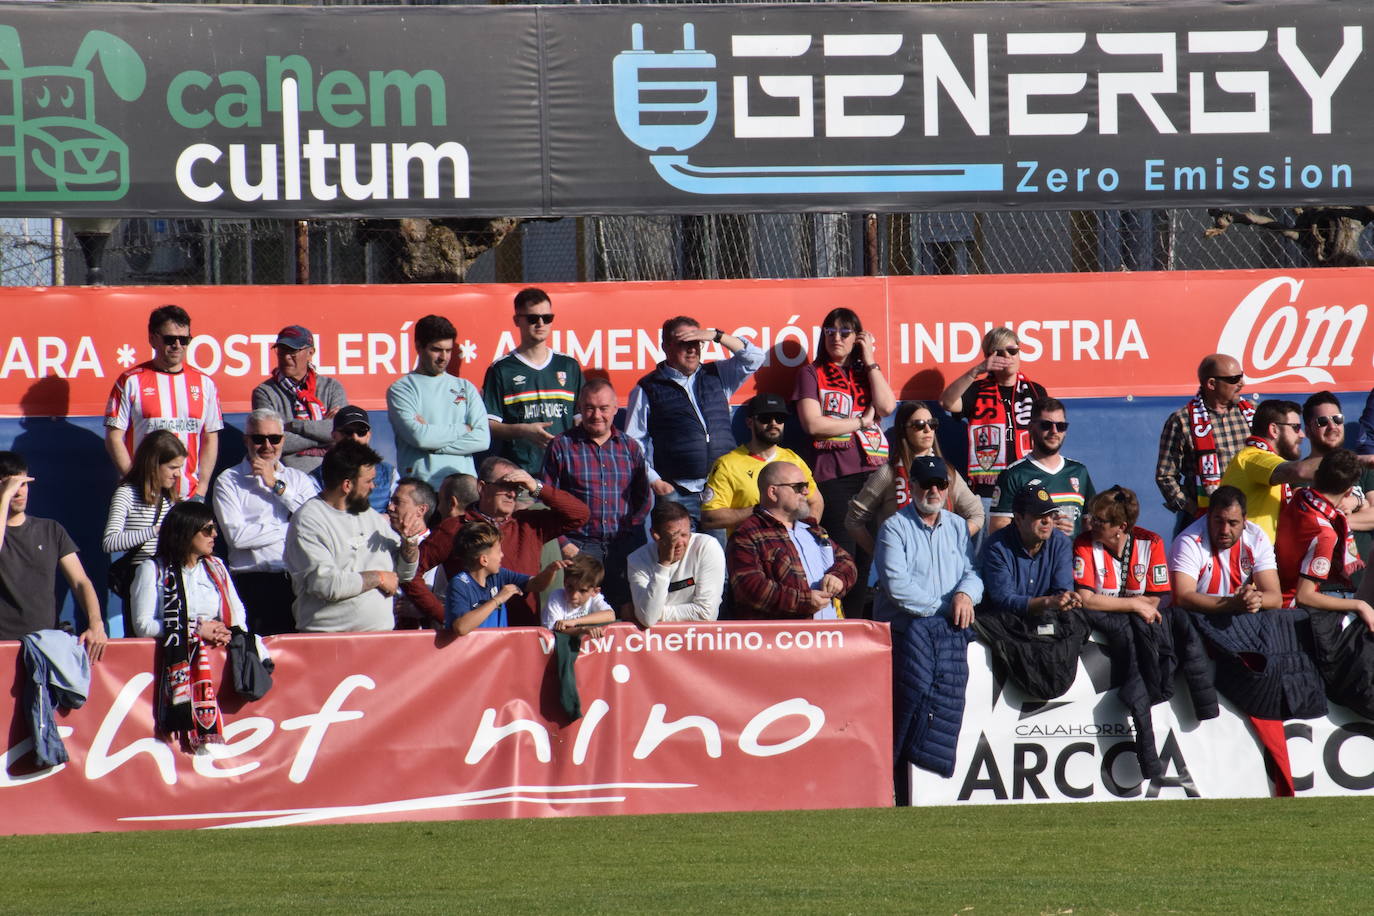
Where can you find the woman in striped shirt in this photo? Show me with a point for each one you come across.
(147, 493)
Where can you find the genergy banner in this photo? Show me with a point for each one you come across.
(399, 726)
(1084, 335)
(1081, 747)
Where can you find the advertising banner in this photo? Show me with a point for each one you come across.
(1084, 335)
(402, 726)
(125, 109)
(1081, 747)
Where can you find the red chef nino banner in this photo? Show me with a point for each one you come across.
(1089, 335)
(401, 726)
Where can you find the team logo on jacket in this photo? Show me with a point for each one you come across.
(1138, 570)
(562, 378)
(1073, 482)
(195, 392)
(458, 397)
(1247, 564)
(1321, 566)
(1078, 567)
(987, 445)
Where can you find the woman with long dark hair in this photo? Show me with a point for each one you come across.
(840, 399)
(888, 488)
(145, 496)
(185, 598)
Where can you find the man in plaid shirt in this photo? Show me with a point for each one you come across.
(781, 566)
(604, 468)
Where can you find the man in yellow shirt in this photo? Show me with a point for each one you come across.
(732, 489)
(1271, 463)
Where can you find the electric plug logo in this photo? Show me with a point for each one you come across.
(668, 115)
(51, 147)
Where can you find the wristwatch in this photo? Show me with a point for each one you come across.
(718, 335)
(538, 488)
(279, 487)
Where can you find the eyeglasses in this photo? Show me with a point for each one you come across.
(209, 530)
(924, 424)
(841, 333)
(176, 340)
(1058, 426)
(1100, 522)
(801, 487)
(1230, 379)
(935, 483)
(1006, 351)
(1295, 427)
(546, 318)
(263, 438)
(355, 431)
(1334, 420)
(771, 420)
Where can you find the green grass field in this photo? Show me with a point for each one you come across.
(1263, 855)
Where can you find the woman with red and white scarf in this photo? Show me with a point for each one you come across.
(995, 399)
(185, 599)
(840, 398)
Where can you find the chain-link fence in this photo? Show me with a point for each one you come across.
(267, 251)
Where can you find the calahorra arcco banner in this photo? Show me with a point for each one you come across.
(531, 111)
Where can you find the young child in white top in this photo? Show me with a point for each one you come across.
(578, 603)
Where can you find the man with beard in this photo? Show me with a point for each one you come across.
(732, 489)
(1271, 463)
(780, 565)
(347, 561)
(927, 590)
(1200, 438)
(1325, 425)
(1066, 480)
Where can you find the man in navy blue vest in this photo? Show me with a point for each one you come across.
(680, 412)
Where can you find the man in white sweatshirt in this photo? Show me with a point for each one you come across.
(678, 575)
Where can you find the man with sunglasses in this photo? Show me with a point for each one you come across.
(680, 413)
(254, 502)
(1199, 439)
(166, 393)
(1271, 463)
(732, 489)
(529, 393)
(1067, 480)
(352, 422)
(307, 400)
(1326, 432)
(780, 564)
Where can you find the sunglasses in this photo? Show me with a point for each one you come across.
(1059, 426)
(1230, 379)
(1295, 427)
(924, 424)
(355, 431)
(539, 319)
(801, 488)
(1006, 351)
(263, 438)
(936, 483)
(209, 530)
(771, 420)
(841, 333)
(1334, 420)
(176, 340)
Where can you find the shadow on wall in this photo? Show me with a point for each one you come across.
(73, 476)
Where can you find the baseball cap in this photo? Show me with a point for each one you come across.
(347, 416)
(927, 468)
(294, 337)
(1033, 500)
(767, 404)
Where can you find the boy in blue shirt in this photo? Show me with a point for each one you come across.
(477, 596)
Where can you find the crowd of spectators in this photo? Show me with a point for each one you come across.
(665, 516)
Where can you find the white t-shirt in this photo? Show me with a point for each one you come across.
(557, 608)
(1220, 573)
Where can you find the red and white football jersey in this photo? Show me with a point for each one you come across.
(145, 399)
(1220, 573)
(1146, 572)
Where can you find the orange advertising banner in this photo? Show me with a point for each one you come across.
(1084, 335)
(401, 726)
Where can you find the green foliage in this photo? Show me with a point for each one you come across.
(1260, 855)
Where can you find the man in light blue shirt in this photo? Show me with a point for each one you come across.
(922, 555)
(680, 412)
